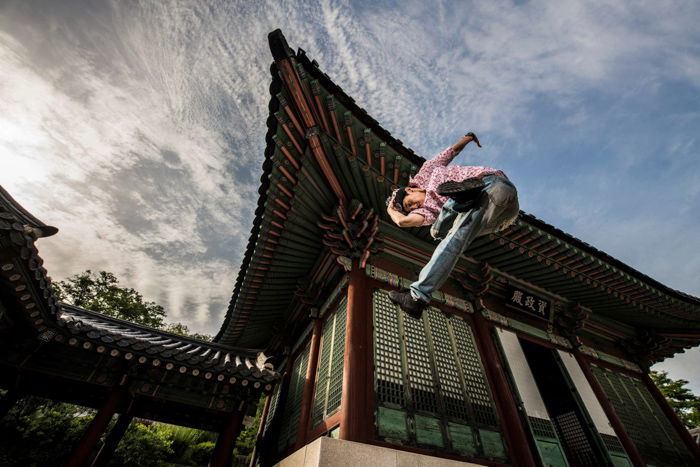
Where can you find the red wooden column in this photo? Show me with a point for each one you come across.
(113, 438)
(355, 410)
(268, 446)
(263, 420)
(672, 417)
(308, 397)
(615, 421)
(223, 450)
(513, 429)
(82, 450)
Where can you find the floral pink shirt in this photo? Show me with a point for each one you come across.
(434, 172)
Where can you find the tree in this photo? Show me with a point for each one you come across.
(101, 293)
(42, 432)
(183, 330)
(682, 400)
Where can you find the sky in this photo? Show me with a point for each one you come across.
(138, 128)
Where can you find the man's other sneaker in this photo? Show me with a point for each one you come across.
(413, 308)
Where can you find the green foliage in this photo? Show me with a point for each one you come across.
(201, 453)
(248, 436)
(101, 293)
(37, 432)
(682, 400)
(143, 446)
(183, 330)
(188, 444)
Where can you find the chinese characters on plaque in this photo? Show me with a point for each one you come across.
(527, 302)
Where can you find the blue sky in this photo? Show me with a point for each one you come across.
(138, 128)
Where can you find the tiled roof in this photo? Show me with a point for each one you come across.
(159, 348)
(31, 307)
(367, 162)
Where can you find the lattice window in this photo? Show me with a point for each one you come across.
(272, 411)
(429, 381)
(542, 427)
(645, 423)
(389, 375)
(454, 397)
(475, 378)
(292, 407)
(575, 439)
(612, 443)
(329, 383)
(420, 377)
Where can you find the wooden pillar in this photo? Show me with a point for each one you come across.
(82, 450)
(355, 411)
(8, 401)
(615, 421)
(513, 429)
(223, 450)
(268, 445)
(308, 397)
(113, 438)
(263, 420)
(672, 417)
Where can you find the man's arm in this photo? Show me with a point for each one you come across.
(459, 145)
(442, 159)
(411, 220)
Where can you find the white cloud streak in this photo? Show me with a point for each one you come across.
(138, 128)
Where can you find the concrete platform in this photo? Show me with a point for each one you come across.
(330, 452)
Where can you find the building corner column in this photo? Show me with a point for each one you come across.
(355, 421)
(114, 437)
(84, 447)
(223, 450)
(308, 396)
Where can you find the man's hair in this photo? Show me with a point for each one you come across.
(399, 195)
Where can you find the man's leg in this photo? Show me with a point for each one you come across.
(445, 220)
(466, 227)
(500, 200)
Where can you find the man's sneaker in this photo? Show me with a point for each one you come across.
(451, 188)
(466, 191)
(413, 308)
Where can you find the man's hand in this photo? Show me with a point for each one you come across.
(466, 139)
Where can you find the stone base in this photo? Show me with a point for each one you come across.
(330, 452)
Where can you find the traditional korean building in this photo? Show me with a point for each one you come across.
(62, 352)
(536, 352)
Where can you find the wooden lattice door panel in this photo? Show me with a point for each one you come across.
(651, 432)
(292, 407)
(431, 389)
(329, 378)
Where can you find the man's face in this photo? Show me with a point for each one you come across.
(414, 199)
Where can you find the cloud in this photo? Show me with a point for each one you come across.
(138, 128)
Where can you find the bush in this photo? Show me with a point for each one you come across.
(201, 453)
(38, 432)
(143, 446)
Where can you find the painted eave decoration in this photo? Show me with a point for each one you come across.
(327, 170)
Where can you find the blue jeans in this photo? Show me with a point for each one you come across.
(457, 229)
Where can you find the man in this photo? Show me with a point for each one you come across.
(461, 203)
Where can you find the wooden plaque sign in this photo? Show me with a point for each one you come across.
(525, 301)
